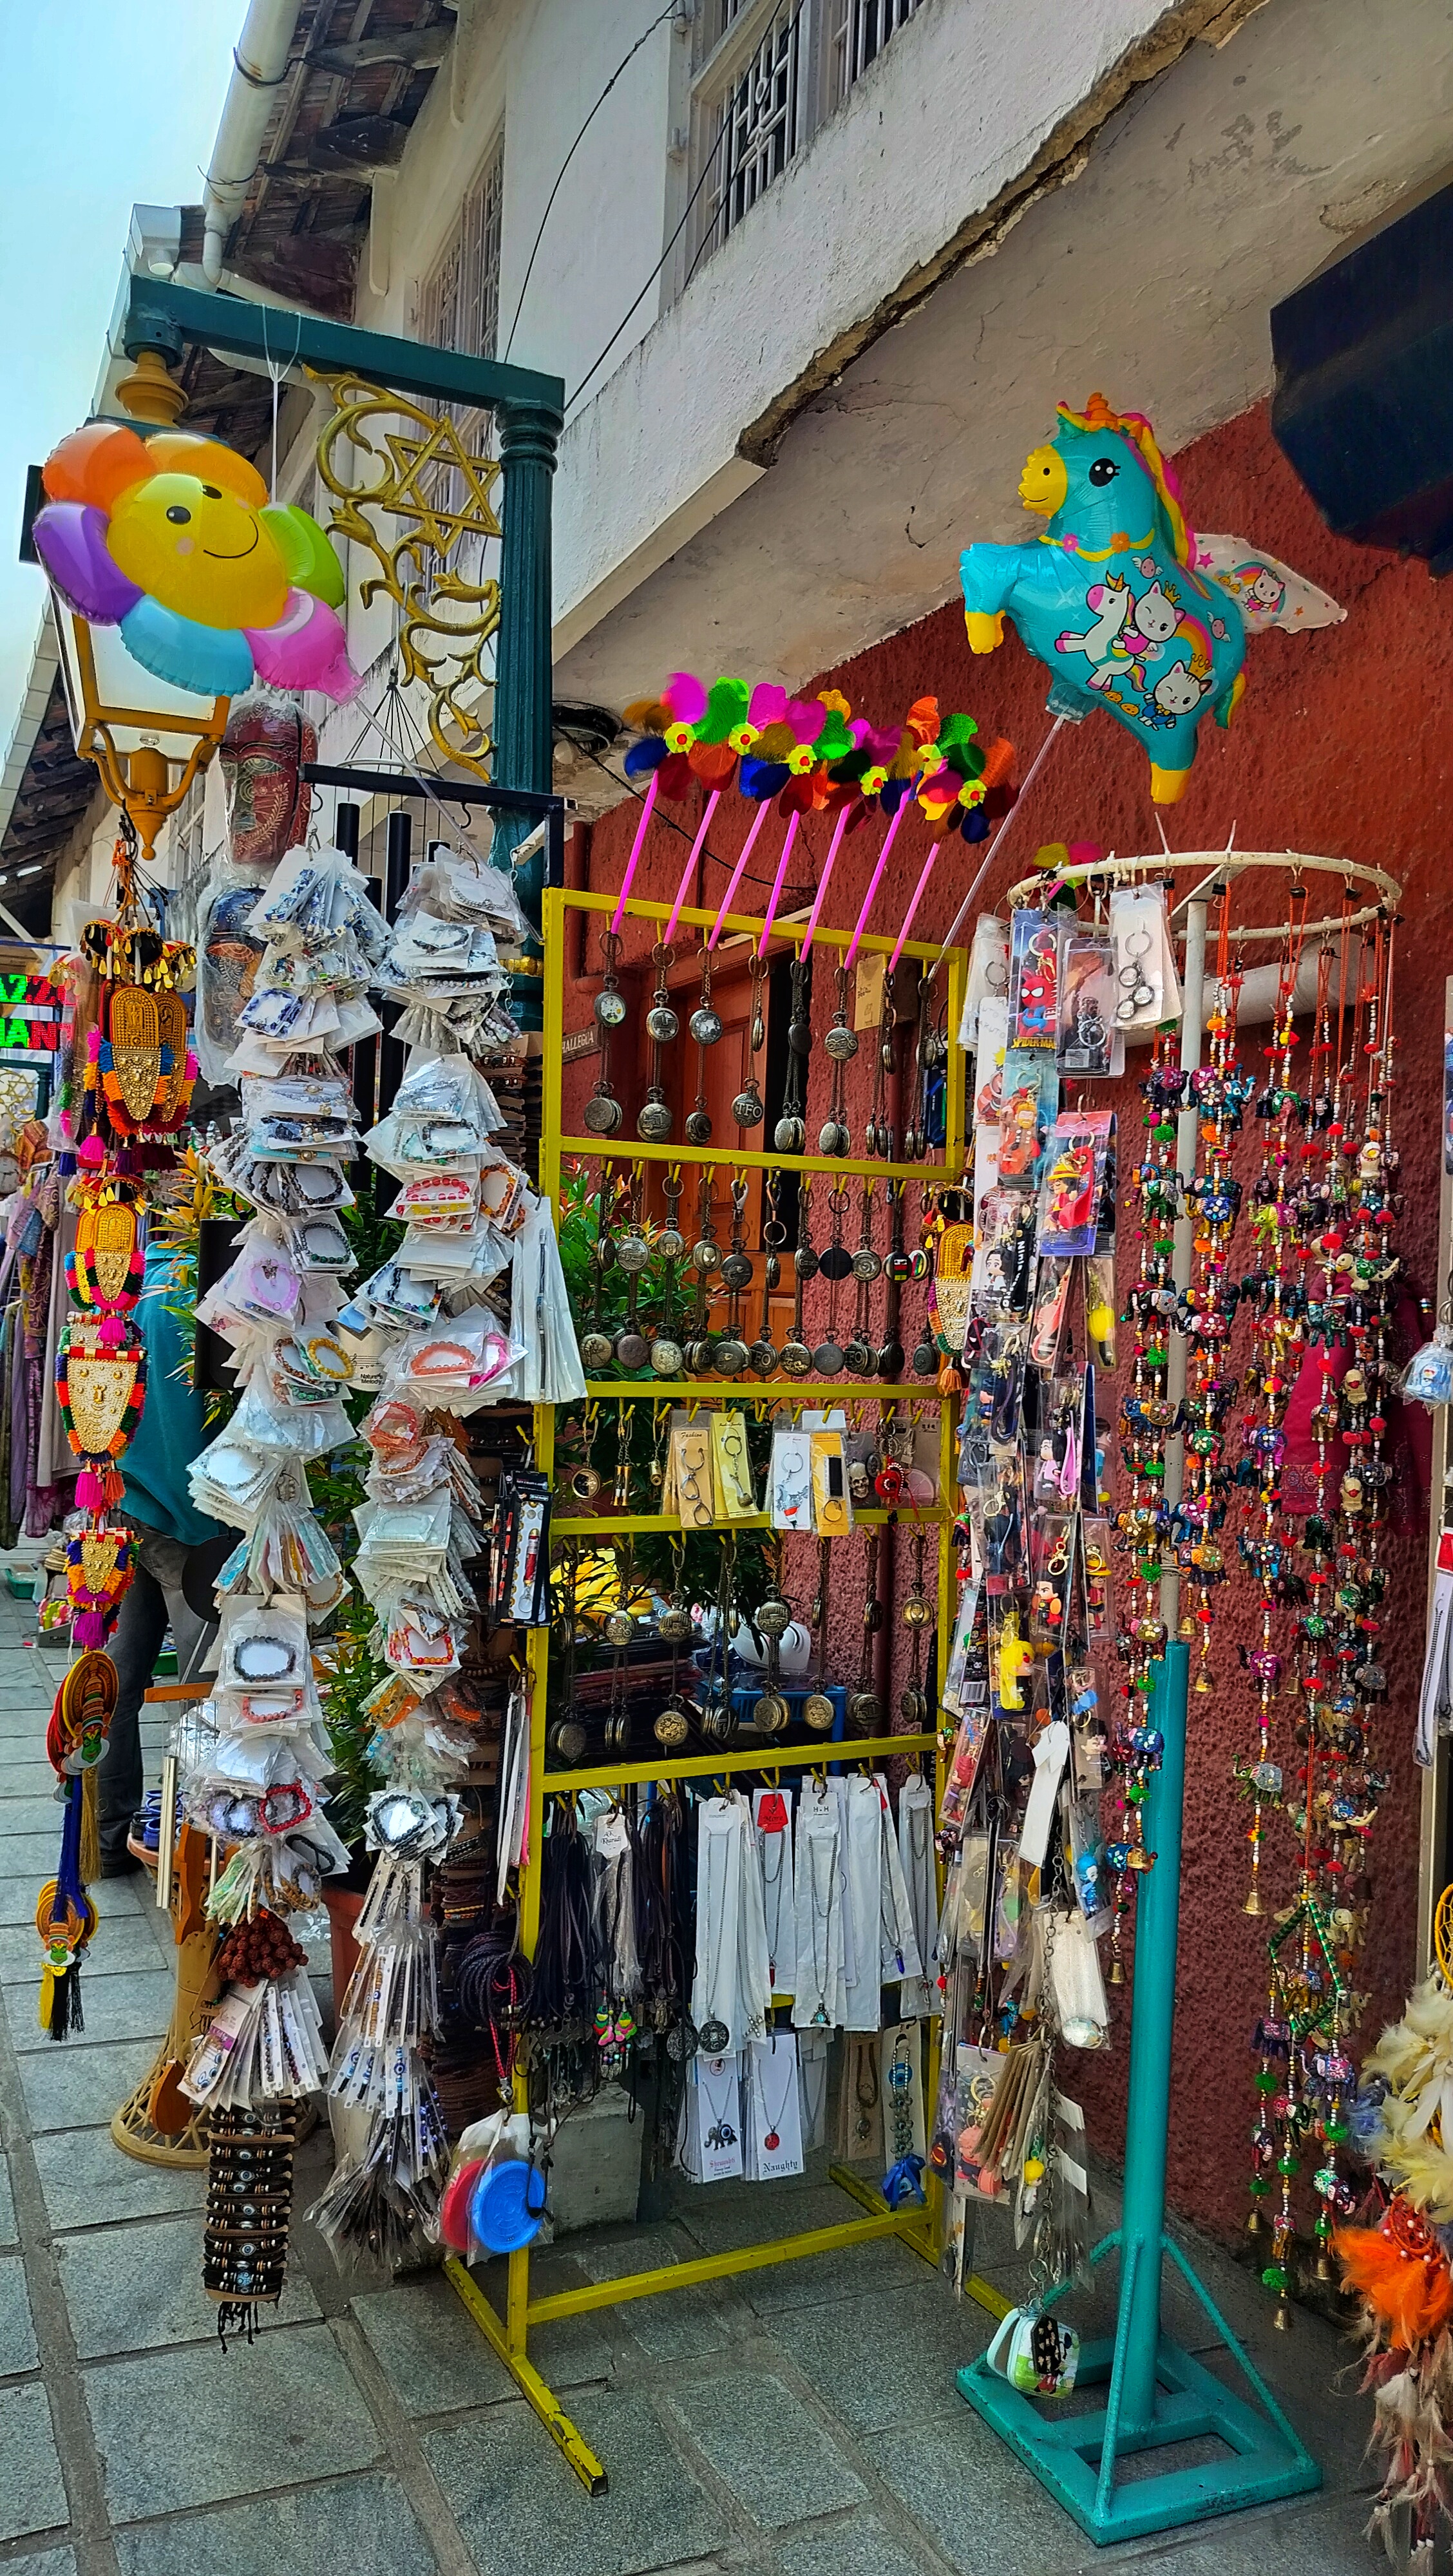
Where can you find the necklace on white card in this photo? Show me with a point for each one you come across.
(772, 2139)
(721, 2133)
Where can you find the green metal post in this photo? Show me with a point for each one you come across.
(529, 437)
(1157, 1924)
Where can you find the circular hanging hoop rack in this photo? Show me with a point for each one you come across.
(1221, 867)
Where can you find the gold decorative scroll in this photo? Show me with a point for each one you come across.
(420, 475)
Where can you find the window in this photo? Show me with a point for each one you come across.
(458, 304)
(187, 831)
(458, 308)
(771, 72)
(862, 30)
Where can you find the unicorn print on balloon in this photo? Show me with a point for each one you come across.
(1120, 600)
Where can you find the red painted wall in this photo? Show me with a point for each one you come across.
(1343, 745)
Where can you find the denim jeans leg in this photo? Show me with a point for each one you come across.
(134, 1649)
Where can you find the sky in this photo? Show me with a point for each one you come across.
(101, 108)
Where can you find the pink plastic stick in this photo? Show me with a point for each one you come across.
(778, 883)
(646, 812)
(812, 921)
(737, 874)
(875, 880)
(928, 867)
(712, 802)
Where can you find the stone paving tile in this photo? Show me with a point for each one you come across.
(764, 2445)
(889, 2360)
(47, 2562)
(17, 2332)
(857, 2546)
(970, 2495)
(127, 1943)
(67, 2086)
(140, 2286)
(32, 2490)
(203, 2427)
(430, 2351)
(9, 2234)
(364, 2525)
(816, 2280)
(1313, 2536)
(501, 2477)
(679, 2325)
(128, 2004)
(31, 1816)
(88, 2182)
(31, 1856)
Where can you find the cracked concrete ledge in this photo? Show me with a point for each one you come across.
(1060, 160)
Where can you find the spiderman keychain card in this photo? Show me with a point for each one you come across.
(1034, 981)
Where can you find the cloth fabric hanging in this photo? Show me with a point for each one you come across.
(898, 1952)
(820, 1995)
(772, 1819)
(1435, 1699)
(863, 1901)
(918, 1995)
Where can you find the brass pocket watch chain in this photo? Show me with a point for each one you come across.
(667, 1357)
(737, 1271)
(818, 1712)
(796, 1356)
(840, 1045)
(770, 1712)
(672, 1726)
(790, 1133)
(747, 1108)
(836, 1265)
(597, 1348)
(633, 1254)
(864, 1711)
(653, 1123)
(913, 1700)
(762, 1357)
(705, 1027)
(860, 1358)
(603, 1112)
(705, 1261)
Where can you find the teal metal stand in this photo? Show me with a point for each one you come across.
(1158, 2394)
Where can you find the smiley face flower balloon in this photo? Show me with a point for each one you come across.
(173, 540)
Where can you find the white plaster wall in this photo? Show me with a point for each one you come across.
(539, 65)
(954, 109)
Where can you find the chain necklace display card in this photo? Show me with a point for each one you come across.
(771, 2110)
(832, 1505)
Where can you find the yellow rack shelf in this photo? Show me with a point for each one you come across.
(508, 2333)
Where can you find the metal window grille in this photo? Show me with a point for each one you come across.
(187, 828)
(459, 300)
(458, 308)
(754, 127)
(862, 30)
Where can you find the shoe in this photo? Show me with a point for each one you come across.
(120, 1864)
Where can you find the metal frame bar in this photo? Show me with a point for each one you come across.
(508, 2335)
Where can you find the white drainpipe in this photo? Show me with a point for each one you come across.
(260, 62)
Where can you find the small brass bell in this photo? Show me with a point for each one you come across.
(1253, 2224)
(1117, 1972)
(1283, 2318)
(1253, 1902)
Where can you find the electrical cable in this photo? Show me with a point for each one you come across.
(656, 271)
(669, 11)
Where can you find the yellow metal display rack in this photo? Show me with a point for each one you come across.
(509, 2333)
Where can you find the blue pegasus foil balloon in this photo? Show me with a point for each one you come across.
(1109, 597)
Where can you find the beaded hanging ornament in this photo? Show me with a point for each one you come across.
(106, 1268)
(99, 1566)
